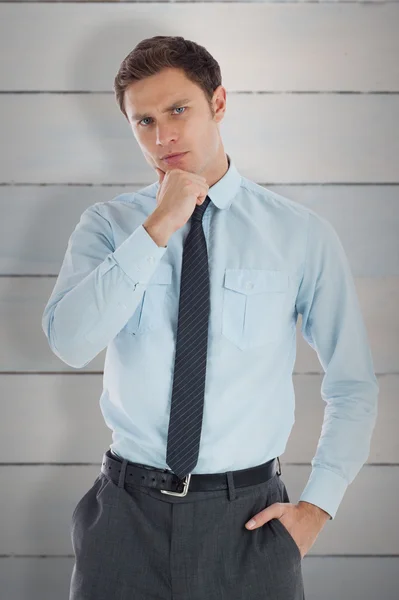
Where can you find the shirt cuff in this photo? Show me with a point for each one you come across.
(138, 256)
(325, 489)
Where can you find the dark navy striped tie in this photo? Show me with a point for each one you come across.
(187, 403)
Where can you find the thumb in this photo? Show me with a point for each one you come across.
(271, 512)
(161, 175)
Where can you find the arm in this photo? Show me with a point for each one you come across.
(98, 288)
(333, 326)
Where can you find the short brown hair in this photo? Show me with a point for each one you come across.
(151, 55)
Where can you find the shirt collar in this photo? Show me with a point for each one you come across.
(223, 191)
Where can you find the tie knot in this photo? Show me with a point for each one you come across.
(200, 209)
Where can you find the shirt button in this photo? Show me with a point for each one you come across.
(150, 259)
(249, 285)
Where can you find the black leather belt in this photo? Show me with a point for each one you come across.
(169, 483)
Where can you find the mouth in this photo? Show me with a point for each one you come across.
(174, 157)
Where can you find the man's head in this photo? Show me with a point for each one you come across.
(169, 89)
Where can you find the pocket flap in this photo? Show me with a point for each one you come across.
(254, 281)
(162, 274)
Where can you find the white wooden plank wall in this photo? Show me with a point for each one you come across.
(312, 113)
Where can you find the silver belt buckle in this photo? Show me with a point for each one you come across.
(186, 483)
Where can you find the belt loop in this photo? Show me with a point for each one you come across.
(121, 482)
(230, 485)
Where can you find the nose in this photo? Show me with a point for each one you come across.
(166, 136)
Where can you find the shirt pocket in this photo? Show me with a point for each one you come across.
(150, 312)
(252, 307)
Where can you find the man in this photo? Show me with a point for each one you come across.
(194, 284)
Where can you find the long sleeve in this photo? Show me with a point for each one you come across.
(333, 326)
(98, 287)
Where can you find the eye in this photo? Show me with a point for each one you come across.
(177, 108)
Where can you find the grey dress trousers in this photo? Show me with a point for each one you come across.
(132, 542)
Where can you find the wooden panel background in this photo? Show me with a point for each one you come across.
(312, 113)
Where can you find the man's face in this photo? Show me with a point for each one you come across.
(188, 127)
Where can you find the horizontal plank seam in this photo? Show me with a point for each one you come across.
(139, 185)
(80, 373)
(97, 464)
(45, 556)
(230, 92)
(223, 1)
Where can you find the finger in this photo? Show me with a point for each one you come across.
(201, 197)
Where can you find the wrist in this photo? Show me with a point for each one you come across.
(159, 228)
(315, 510)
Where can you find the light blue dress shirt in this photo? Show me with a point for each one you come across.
(270, 259)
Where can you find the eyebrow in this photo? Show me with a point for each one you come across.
(176, 104)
